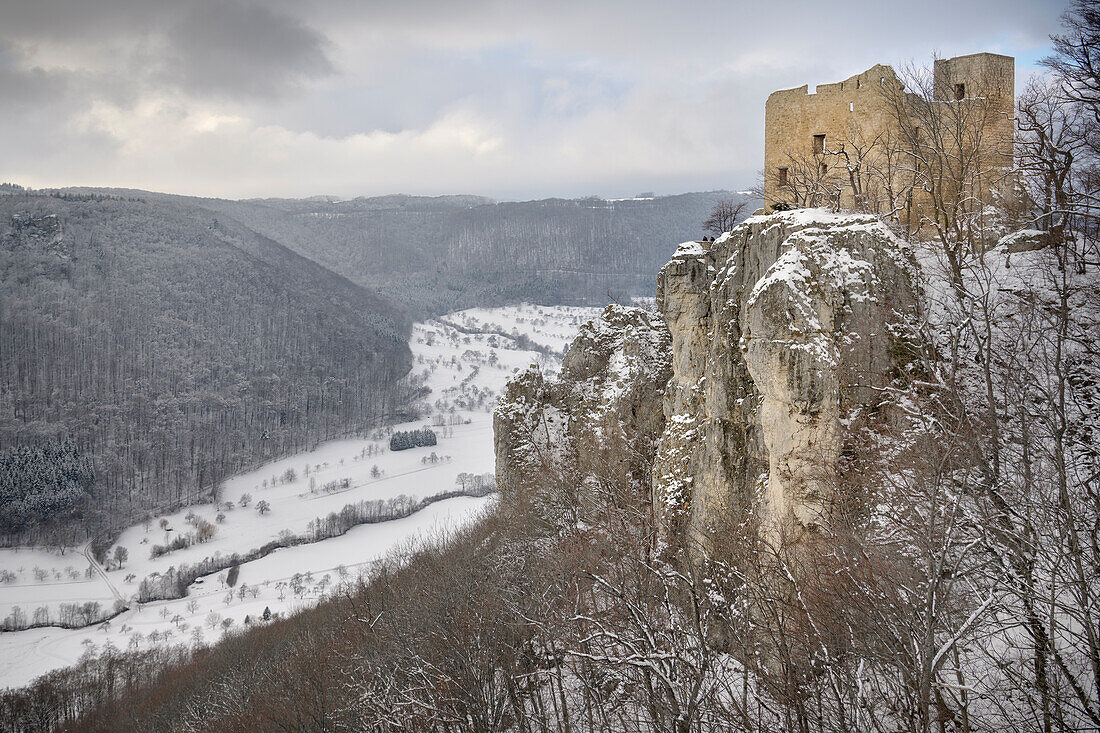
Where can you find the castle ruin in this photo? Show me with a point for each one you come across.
(865, 143)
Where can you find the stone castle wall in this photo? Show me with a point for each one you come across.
(854, 109)
(994, 77)
(859, 115)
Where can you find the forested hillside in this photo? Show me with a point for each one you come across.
(170, 340)
(435, 255)
(167, 349)
(438, 255)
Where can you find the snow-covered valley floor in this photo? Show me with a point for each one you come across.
(465, 359)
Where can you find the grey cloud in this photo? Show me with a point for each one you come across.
(64, 20)
(38, 134)
(610, 97)
(27, 89)
(202, 47)
(219, 47)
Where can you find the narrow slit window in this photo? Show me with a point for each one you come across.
(782, 176)
(851, 106)
(819, 144)
(824, 169)
(960, 91)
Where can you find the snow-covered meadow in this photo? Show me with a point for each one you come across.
(465, 359)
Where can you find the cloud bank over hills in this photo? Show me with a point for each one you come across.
(510, 100)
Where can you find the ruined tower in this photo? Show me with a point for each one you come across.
(852, 143)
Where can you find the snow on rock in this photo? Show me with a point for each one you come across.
(769, 341)
(603, 413)
(1024, 240)
(689, 249)
(780, 330)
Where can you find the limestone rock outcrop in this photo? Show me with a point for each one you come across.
(41, 233)
(781, 337)
(558, 439)
(774, 344)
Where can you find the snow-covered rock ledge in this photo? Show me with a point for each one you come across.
(554, 436)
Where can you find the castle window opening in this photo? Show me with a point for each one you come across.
(782, 176)
(819, 144)
(960, 92)
(851, 106)
(824, 169)
(858, 83)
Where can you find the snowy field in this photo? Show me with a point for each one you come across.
(465, 359)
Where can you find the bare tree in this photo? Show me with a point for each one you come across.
(1076, 58)
(951, 152)
(724, 216)
(1052, 140)
(808, 180)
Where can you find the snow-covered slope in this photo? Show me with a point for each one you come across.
(465, 359)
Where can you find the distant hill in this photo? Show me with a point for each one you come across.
(437, 254)
(171, 347)
(440, 254)
(163, 342)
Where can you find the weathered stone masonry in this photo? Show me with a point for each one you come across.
(801, 129)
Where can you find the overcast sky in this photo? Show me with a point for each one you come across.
(509, 99)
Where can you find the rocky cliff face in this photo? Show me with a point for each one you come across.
(780, 338)
(565, 440)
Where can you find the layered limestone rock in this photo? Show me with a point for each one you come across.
(775, 345)
(781, 338)
(563, 440)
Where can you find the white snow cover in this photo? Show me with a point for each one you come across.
(465, 358)
(806, 217)
(811, 263)
(1020, 235)
(689, 249)
(635, 344)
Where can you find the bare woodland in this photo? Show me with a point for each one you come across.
(151, 351)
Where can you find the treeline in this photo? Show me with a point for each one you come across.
(174, 582)
(69, 616)
(94, 681)
(372, 511)
(405, 439)
(65, 194)
(170, 350)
